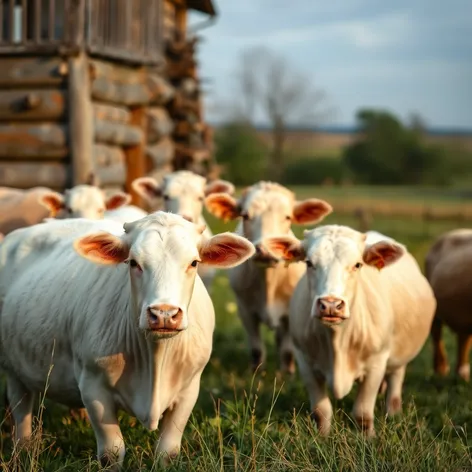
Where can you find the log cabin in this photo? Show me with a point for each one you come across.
(103, 86)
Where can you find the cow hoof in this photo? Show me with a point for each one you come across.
(322, 424)
(441, 369)
(394, 406)
(366, 425)
(464, 372)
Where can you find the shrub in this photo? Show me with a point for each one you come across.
(309, 171)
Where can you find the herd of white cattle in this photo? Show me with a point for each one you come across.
(108, 307)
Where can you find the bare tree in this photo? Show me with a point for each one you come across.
(271, 88)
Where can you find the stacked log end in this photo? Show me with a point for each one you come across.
(192, 136)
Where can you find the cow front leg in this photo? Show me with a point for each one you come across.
(285, 346)
(394, 390)
(464, 341)
(252, 326)
(101, 410)
(321, 408)
(363, 410)
(440, 364)
(173, 423)
(20, 403)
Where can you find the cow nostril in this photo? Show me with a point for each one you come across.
(322, 306)
(152, 315)
(340, 305)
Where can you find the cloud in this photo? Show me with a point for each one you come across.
(407, 55)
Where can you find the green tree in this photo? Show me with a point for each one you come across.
(241, 152)
(389, 153)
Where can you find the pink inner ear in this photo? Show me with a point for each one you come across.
(382, 254)
(222, 206)
(103, 248)
(53, 202)
(311, 211)
(116, 201)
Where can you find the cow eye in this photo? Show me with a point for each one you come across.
(166, 197)
(200, 199)
(288, 218)
(245, 216)
(309, 264)
(194, 263)
(69, 210)
(358, 265)
(133, 264)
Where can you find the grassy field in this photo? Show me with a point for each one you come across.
(260, 423)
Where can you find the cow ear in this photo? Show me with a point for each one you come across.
(285, 247)
(53, 201)
(117, 200)
(219, 186)
(226, 250)
(147, 188)
(102, 248)
(222, 206)
(382, 254)
(310, 211)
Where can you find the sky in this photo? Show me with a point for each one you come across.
(403, 55)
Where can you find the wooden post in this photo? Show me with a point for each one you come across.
(136, 156)
(81, 119)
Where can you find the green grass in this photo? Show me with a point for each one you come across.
(247, 423)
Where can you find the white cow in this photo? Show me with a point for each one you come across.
(363, 310)
(264, 285)
(82, 201)
(124, 320)
(126, 214)
(183, 193)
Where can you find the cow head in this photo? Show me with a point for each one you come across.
(183, 192)
(267, 209)
(163, 252)
(335, 256)
(82, 201)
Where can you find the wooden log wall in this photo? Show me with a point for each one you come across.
(132, 127)
(192, 136)
(34, 131)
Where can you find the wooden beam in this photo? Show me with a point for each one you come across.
(136, 157)
(160, 154)
(118, 134)
(110, 91)
(160, 90)
(32, 72)
(26, 175)
(40, 104)
(160, 124)
(81, 119)
(105, 112)
(114, 174)
(107, 155)
(25, 141)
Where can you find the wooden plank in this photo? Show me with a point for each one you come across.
(21, 141)
(46, 105)
(26, 175)
(104, 155)
(160, 124)
(160, 90)
(110, 91)
(31, 72)
(160, 154)
(135, 156)
(116, 73)
(114, 174)
(81, 119)
(119, 134)
(105, 112)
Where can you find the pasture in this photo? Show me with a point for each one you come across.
(245, 422)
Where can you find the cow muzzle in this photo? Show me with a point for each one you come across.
(331, 311)
(165, 320)
(262, 257)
